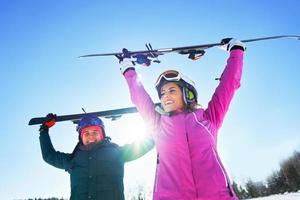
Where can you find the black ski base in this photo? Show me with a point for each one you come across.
(109, 114)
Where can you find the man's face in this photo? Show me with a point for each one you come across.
(91, 134)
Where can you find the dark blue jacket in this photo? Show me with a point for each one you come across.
(96, 171)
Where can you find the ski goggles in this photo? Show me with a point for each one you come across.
(173, 75)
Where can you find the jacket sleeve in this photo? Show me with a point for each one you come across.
(141, 99)
(52, 157)
(137, 149)
(229, 83)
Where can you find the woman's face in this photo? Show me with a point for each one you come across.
(91, 134)
(171, 97)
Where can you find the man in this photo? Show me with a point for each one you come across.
(96, 166)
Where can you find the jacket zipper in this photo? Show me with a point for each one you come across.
(215, 155)
(187, 139)
(156, 174)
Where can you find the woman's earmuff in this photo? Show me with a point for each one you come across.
(189, 96)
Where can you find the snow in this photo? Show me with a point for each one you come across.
(288, 196)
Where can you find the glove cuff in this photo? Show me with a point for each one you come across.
(50, 123)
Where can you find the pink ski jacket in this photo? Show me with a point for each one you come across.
(188, 165)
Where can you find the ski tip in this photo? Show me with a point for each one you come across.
(83, 56)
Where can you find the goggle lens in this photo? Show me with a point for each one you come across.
(170, 75)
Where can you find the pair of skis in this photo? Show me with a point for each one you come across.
(146, 57)
(194, 52)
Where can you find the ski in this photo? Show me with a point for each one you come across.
(194, 52)
(109, 114)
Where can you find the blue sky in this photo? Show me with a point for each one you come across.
(40, 73)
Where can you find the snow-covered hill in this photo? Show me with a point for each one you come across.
(288, 196)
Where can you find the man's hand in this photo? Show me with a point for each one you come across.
(51, 120)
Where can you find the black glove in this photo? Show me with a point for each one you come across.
(51, 120)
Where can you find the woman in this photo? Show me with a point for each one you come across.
(188, 164)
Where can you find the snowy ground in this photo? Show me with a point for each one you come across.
(289, 196)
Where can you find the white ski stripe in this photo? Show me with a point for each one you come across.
(165, 49)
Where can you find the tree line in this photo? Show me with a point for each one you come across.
(286, 179)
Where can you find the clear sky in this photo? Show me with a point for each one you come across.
(40, 72)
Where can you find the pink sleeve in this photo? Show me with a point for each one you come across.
(229, 83)
(141, 99)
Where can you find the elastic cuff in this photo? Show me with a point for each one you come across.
(128, 69)
(237, 47)
(44, 129)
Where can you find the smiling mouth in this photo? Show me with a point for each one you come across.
(168, 103)
(91, 142)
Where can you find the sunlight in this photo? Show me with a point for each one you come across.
(127, 129)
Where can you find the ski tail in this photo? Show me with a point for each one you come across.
(297, 37)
